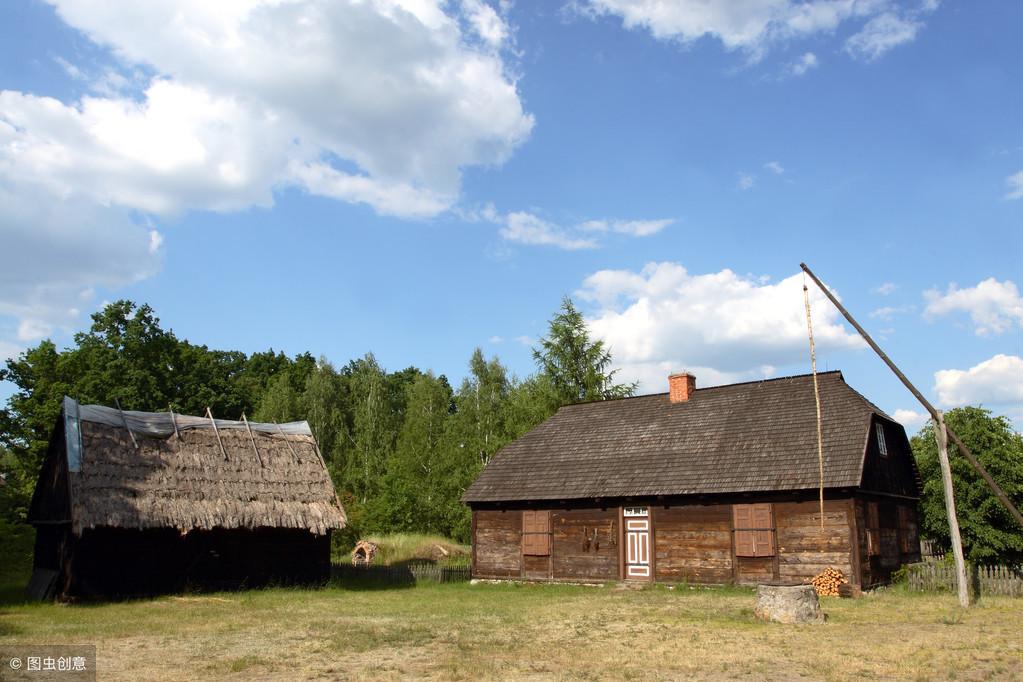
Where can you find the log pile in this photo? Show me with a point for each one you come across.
(363, 553)
(828, 582)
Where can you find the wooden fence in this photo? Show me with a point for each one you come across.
(985, 580)
(402, 575)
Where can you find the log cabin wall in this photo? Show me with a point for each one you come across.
(693, 543)
(804, 550)
(497, 543)
(888, 536)
(585, 544)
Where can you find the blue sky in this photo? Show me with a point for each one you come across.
(416, 178)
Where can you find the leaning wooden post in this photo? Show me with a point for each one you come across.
(941, 437)
(960, 445)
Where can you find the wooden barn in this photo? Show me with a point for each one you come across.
(712, 485)
(132, 503)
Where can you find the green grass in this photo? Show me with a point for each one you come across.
(17, 542)
(513, 631)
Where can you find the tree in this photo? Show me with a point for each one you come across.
(577, 368)
(413, 497)
(990, 534)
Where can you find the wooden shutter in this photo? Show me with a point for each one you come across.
(536, 529)
(763, 521)
(873, 530)
(754, 529)
(745, 539)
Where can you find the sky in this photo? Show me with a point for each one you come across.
(417, 178)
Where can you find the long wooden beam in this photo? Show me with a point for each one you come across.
(960, 445)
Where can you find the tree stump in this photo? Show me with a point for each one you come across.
(788, 604)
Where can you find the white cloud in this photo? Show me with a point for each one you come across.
(729, 326)
(495, 339)
(886, 313)
(526, 340)
(998, 381)
(885, 288)
(775, 167)
(911, 419)
(993, 306)
(394, 97)
(9, 351)
(806, 61)
(486, 22)
(215, 106)
(1015, 183)
(634, 228)
(881, 34)
(527, 228)
(746, 181)
(753, 26)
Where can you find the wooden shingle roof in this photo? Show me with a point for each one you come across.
(757, 436)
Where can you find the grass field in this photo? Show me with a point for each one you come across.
(512, 631)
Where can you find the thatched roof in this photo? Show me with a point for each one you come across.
(751, 437)
(181, 472)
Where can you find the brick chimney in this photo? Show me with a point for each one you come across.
(681, 386)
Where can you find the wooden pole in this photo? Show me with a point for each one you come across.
(940, 435)
(960, 445)
(217, 432)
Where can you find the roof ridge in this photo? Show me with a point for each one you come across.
(718, 386)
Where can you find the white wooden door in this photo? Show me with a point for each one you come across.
(637, 543)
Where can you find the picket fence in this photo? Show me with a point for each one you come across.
(402, 575)
(985, 580)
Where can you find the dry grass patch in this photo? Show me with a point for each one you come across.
(530, 632)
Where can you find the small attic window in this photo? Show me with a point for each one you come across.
(882, 447)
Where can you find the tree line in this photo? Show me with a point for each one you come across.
(401, 446)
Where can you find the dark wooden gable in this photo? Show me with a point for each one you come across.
(893, 471)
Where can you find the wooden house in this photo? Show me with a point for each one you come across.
(711, 485)
(134, 503)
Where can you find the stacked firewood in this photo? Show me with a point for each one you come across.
(828, 582)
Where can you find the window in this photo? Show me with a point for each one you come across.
(754, 529)
(536, 533)
(882, 447)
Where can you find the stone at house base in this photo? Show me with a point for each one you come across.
(788, 603)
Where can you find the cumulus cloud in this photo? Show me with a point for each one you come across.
(911, 419)
(1015, 183)
(215, 106)
(722, 326)
(746, 181)
(755, 26)
(996, 381)
(994, 307)
(394, 98)
(775, 167)
(885, 288)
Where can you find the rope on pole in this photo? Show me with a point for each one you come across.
(817, 398)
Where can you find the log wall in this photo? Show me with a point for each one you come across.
(804, 550)
(498, 544)
(693, 543)
(585, 544)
